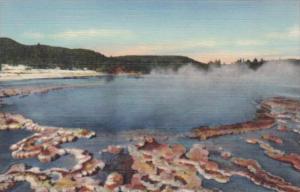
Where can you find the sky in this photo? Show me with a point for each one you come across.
(204, 30)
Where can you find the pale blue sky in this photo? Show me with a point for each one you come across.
(203, 30)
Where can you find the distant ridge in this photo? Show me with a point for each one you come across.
(44, 56)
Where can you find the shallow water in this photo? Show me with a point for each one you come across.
(160, 103)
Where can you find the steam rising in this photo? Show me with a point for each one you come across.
(282, 73)
(164, 100)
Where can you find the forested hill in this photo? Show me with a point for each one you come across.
(44, 56)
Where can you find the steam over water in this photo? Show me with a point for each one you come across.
(163, 100)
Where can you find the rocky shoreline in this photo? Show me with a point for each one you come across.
(149, 165)
(272, 112)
